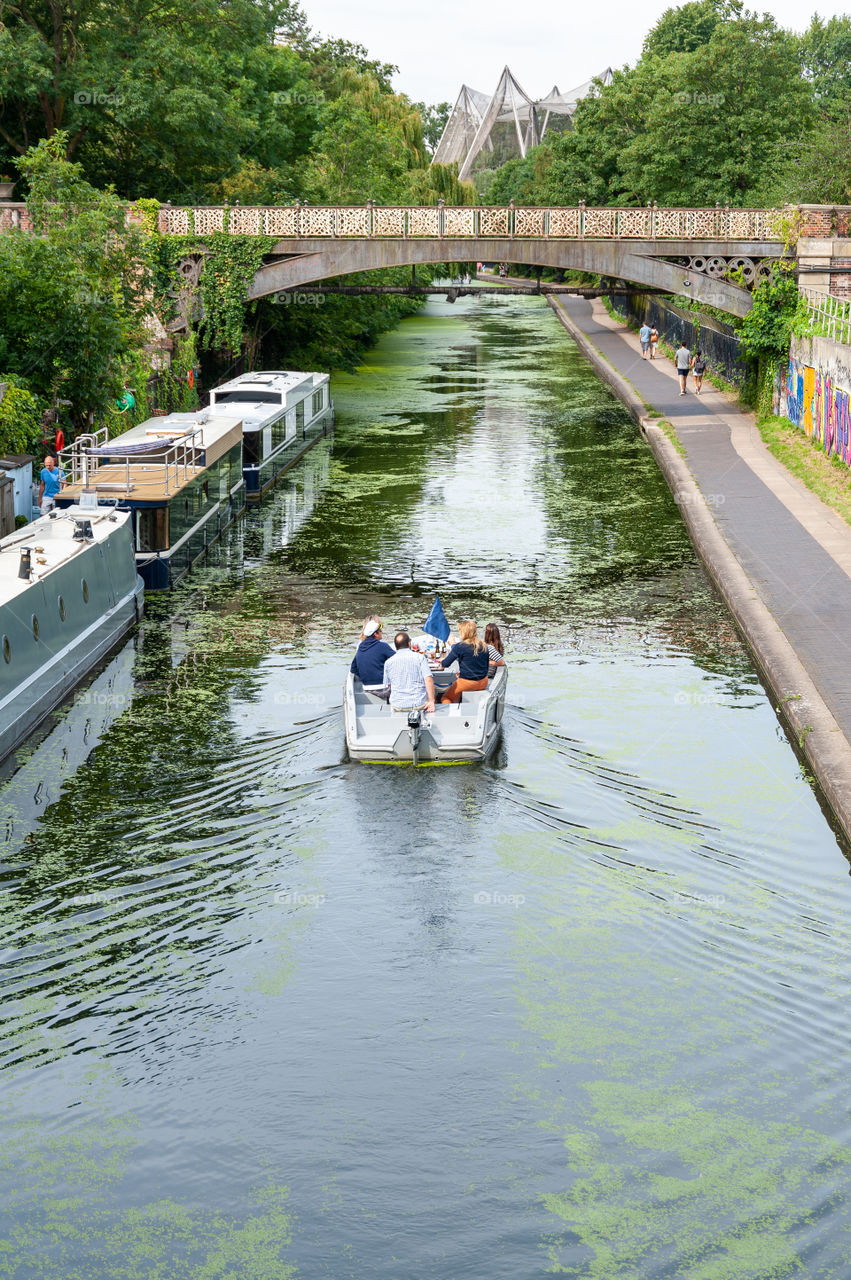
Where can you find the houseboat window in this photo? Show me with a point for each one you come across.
(85, 588)
(61, 604)
(299, 416)
(278, 433)
(152, 529)
(317, 402)
(249, 397)
(7, 649)
(250, 452)
(35, 627)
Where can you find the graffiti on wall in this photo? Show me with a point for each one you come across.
(820, 407)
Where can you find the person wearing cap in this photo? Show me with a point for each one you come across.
(372, 653)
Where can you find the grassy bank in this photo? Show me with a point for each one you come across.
(828, 477)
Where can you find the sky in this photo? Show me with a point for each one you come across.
(438, 45)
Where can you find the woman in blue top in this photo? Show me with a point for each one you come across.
(473, 660)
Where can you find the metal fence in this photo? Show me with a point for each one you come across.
(830, 316)
(716, 340)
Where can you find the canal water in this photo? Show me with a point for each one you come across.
(579, 1010)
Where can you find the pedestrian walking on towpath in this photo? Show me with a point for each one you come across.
(683, 359)
(698, 368)
(654, 341)
(644, 338)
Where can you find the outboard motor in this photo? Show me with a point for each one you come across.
(25, 568)
(414, 726)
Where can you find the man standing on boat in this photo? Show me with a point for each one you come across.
(372, 653)
(52, 480)
(408, 677)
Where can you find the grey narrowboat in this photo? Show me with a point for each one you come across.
(69, 592)
(283, 415)
(180, 477)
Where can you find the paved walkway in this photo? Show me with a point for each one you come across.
(794, 549)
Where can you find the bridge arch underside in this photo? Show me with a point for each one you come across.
(299, 262)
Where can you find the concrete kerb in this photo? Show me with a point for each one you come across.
(797, 700)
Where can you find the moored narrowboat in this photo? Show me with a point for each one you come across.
(181, 478)
(69, 592)
(283, 414)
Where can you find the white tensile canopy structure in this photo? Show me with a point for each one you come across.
(469, 129)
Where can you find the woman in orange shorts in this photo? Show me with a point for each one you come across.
(473, 660)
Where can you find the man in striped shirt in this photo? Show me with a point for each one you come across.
(409, 677)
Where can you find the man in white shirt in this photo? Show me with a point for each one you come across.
(409, 678)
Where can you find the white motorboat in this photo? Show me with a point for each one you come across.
(458, 731)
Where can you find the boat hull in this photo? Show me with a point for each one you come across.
(455, 734)
(41, 673)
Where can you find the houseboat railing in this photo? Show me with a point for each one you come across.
(168, 469)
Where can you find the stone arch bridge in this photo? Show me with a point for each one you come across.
(712, 255)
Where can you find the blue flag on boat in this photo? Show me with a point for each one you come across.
(436, 624)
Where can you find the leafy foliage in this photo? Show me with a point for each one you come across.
(20, 418)
(826, 58)
(778, 311)
(74, 296)
(816, 167)
(685, 29)
(231, 264)
(691, 127)
(434, 121)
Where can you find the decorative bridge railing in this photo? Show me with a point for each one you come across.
(377, 222)
(427, 222)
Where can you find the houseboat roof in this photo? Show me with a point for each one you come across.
(114, 470)
(271, 380)
(52, 543)
(175, 426)
(259, 395)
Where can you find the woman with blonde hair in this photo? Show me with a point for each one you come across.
(473, 660)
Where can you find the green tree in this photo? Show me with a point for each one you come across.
(20, 417)
(685, 29)
(689, 128)
(815, 168)
(778, 310)
(826, 58)
(434, 121)
(74, 295)
(158, 96)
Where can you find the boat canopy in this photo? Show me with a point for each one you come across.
(129, 450)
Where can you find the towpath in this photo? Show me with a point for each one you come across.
(795, 551)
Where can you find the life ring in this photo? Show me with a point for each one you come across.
(60, 440)
(190, 378)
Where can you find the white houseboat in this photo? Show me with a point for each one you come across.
(179, 476)
(69, 592)
(283, 415)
